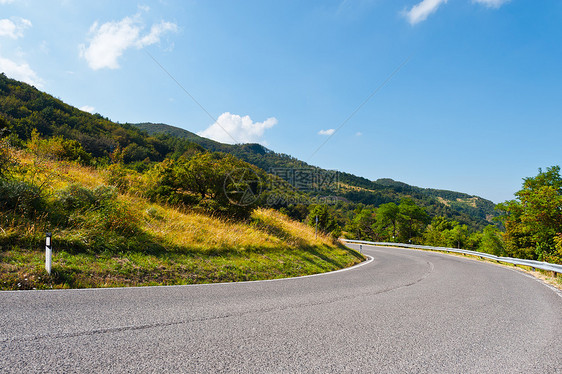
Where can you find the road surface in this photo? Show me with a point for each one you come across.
(406, 311)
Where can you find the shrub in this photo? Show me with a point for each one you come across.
(75, 197)
(20, 196)
(59, 148)
(117, 176)
(102, 222)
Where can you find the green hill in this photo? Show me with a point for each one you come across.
(473, 211)
(140, 146)
(125, 208)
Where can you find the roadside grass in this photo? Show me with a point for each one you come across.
(131, 241)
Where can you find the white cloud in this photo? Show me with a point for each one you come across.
(422, 10)
(155, 32)
(22, 72)
(87, 108)
(109, 41)
(2, 2)
(327, 132)
(232, 128)
(14, 27)
(358, 133)
(491, 3)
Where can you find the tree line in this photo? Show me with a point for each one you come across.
(529, 226)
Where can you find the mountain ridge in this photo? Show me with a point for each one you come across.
(24, 109)
(445, 202)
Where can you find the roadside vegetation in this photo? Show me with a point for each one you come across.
(107, 232)
(133, 207)
(529, 227)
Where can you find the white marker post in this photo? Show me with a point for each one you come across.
(316, 229)
(48, 253)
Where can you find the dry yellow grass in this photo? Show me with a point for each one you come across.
(182, 246)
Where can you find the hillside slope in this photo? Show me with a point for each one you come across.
(474, 211)
(103, 238)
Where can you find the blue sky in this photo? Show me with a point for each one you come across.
(473, 104)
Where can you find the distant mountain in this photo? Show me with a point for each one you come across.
(474, 211)
(23, 108)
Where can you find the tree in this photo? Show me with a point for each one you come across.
(435, 233)
(387, 214)
(458, 235)
(205, 180)
(491, 241)
(534, 219)
(412, 220)
(326, 222)
(4, 127)
(363, 224)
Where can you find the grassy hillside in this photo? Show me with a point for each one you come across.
(473, 211)
(103, 238)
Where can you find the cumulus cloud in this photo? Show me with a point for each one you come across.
(14, 27)
(491, 3)
(87, 108)
(232, 128)
(327, 132)
(20, 71)
(110, 40)
(422, 10)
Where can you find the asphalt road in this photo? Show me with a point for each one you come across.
(405, 312)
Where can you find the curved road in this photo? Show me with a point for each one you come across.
(407, 311)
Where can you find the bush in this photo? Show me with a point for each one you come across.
(117, 176)
(100, 221)
(78, 198)
(20, 196)
(59, 149)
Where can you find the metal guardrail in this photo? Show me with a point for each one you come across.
(510, 260)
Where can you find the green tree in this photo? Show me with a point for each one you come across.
(534, 219)
(4, 127)
(412, 220)
(491, 241)
(387, 215)
(457, 236)
(435, 233)
(326, 221)
(363, 225)
(204, 181)
(7, 161)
